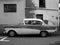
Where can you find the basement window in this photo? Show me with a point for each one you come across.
(9, 7)
(42, 3)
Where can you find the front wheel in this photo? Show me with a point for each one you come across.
(44, 33)
(11, 33)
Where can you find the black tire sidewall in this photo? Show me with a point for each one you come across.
(10, 32)
(41, 33)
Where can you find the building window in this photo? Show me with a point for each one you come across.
(39, 16)
(9, 7)
(42, 3)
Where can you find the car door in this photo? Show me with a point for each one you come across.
(28, 28)
(31, 27)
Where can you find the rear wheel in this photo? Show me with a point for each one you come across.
(11, 33)
(44, 33)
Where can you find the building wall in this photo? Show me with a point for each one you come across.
(28, 8)
(50, 11)
(14, 17)
(52, 4)
(48, 15)
(49, 4)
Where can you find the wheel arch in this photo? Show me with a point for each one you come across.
(12, 30)
(44, 31)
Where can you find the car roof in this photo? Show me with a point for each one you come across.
(33, 19)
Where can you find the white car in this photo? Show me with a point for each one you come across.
(31, 26)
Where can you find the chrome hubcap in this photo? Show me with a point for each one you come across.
(12, 33)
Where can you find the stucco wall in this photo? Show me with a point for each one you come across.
(52, 4)
(49, 4)
(16, 18)
(48, 15)
(50, 12)
(12, 18)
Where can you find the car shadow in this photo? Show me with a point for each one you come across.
(37, 35)
(28, 35)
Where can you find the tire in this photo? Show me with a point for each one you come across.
(44, 33)
(11, 33)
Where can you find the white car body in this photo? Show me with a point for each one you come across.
(24, 30)
(27, 30)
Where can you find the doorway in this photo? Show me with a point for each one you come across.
(39, 16)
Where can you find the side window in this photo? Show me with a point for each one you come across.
(39, 22)
(36, 22)
(27, 21)
(33, 22)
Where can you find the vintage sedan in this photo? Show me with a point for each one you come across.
(30, 26)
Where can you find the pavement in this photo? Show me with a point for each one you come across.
(54, 39)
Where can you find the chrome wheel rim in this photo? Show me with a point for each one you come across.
(12, 33)
(43, 34)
